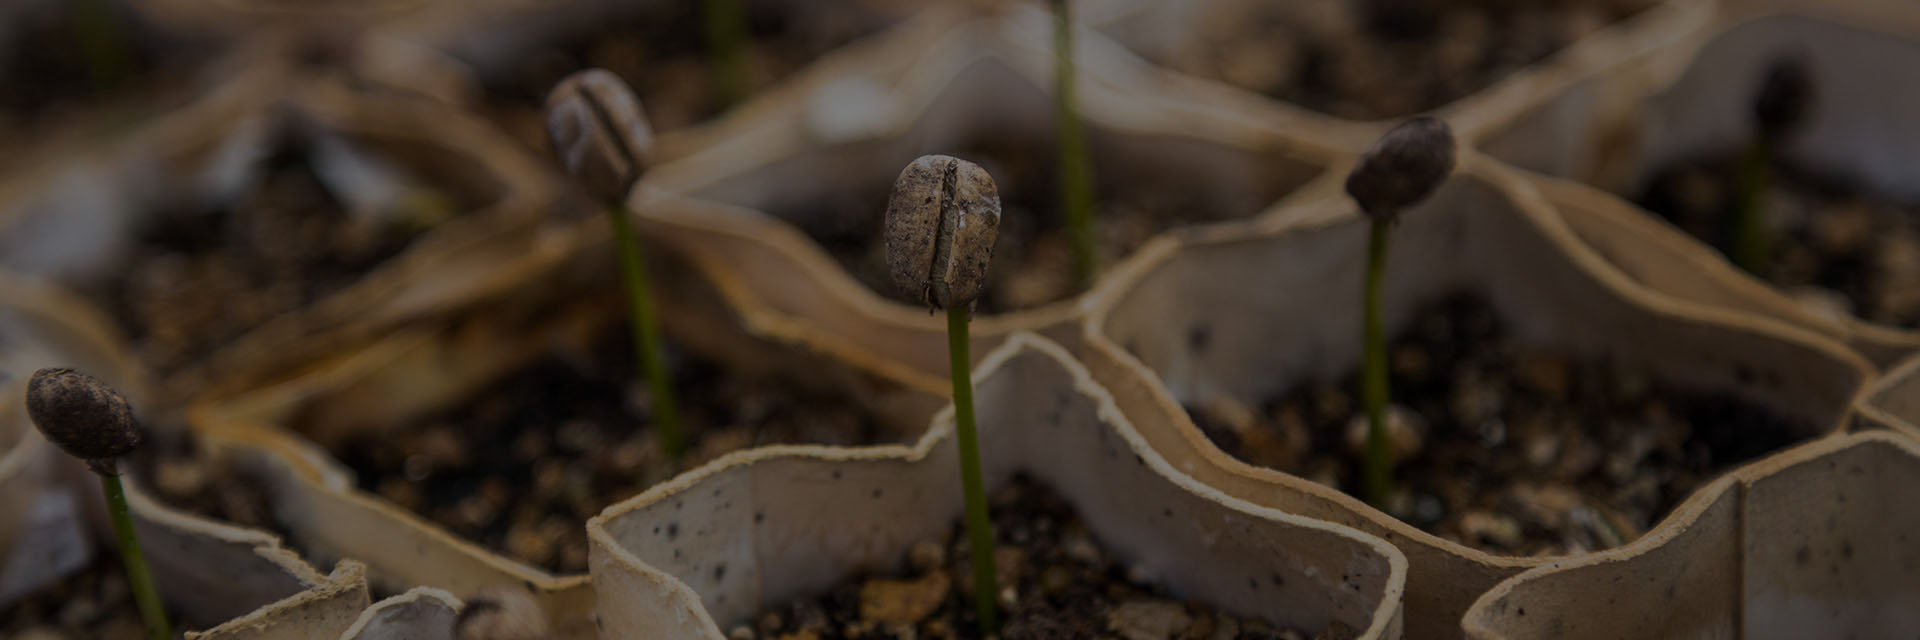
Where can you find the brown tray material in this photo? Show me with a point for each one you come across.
(760, 515)
(1610, 120)
(1814, 541)
(1259, 293)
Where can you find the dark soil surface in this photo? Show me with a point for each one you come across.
(523, 464)
(172, 469)
(94, 604)
(75, 54)
(1513, 450)
(1402, 58)
(1843, 246)
(660, 49)
(1032, 261)
(1065, 586)
(198, 279)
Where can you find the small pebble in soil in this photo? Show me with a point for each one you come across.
(521, 464)
(1057, 583)
(1506, 448)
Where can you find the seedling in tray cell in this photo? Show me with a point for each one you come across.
(601, 138)
(1075, 170)
(941, 222)
(92, 422)
(1780, 106)
(1400, 170)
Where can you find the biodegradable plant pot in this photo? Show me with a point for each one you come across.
(1893, 401)
(323, 607)
(85, 227)
(239, 583)
(1814, 541)
(1244, 313)
(233, 582)
(1338, 59)
(1679, 100)
(314, 498)
(760, 527)
(739, 210)
(422, 613)
(1663, 258)
(427, 368)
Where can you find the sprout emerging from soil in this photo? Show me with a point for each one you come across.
(90, 421)
(1075, 171)
(1781, 105)
(600, 136)
(941, 222)
(501, 612)
(1400, 170)
(726, 27)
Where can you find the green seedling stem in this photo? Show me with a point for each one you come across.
(1404, 167)
(1782, 105)
(726, 27)
(979, 527)
(101, 44)
(139, 579)
(1748, 242)
(646, 333)
(1374, 392)
(1075, 170)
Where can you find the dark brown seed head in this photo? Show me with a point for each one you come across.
(501, 612)
(599, 133)
(941, 222)
(1785, 98)
(1402, 168)
(82, 415)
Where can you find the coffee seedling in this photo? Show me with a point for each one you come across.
(726, 27)
(941, 222)
(1075, 171)
(601, 138)
(1400, 170)
(1780, 107)
(89, 420)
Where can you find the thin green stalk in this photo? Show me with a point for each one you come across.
(1076, 173)
(979, 528)
(646, 334)
(1747, 243)
(726, 28)
(1379, 469)
(101, 44)
(138, 578)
